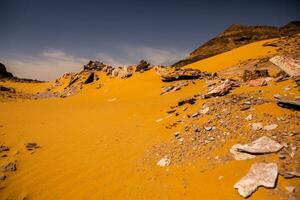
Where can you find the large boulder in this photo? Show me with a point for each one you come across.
(3, 72)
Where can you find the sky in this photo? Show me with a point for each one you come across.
(43, 39)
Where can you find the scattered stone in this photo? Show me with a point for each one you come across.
(258, 82)
(252, 75)
(260, 174)
(208, 128)
(177, 134)
(220, 90)
(159, 120)
(262, 145)
(182, 74)
(164, 162)
(31, 146)
(3, 148)
(9, 167)
(240, 155)
(290, 189)
(290, 174)
(270, 127)
(249, 117)
(172, 88)
(245, 107)
(204, 110)
(191, 101)
(112, 100)
(256, 126)
(2, 177)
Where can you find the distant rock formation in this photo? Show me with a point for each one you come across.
(4, 73)
(238, 35)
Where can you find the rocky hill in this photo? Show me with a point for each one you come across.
(238, 35)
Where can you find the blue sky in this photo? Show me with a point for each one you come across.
(44, 39)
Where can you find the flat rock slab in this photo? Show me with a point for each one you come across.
(262, 145)
(260, 174)
(288, 65)
(240, 155)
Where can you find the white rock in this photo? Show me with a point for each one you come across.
(270, 127)
(159, 120)
(164, 162)
(260, 174)
(240, 155)
(260, 146)
(249, 117)
(257, 126)
(204, 110)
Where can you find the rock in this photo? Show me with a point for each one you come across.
(288, 65)
(181, 74)
(4, 73)
(31, 146)
(287, 103)
(258, 82)
(122, 72)
(290, 189)
(249, 117)
(262, 145)
(89, 78)
(142, 66)
(9, 167)
(191, 101)
(270, 127)
(164, 162)
(256, 126)
(260, 174)
(208, 128)
(95, 65)
(240, 155)
(2, 177)
(204, 110)
(3, 147)
(7, 89)
(290, 174)
(254, 75)
(245, 107)
(172, 88)
(220, 90)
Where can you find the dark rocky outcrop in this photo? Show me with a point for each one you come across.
(236, 36)
(142, 66)
(4, 73)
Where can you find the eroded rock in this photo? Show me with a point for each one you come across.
(31, 146)
(262, 145)
(164, 162)
(9, 167)
(220, 90)
(260, 174)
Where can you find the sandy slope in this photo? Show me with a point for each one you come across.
(94, 145)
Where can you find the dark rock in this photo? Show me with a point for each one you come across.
(3, 148)
(252, 75)
(182, 74)
(191, 101)
(9, 167)
(4, 73)
(287, 103)
(142, 66)
(31, 146)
